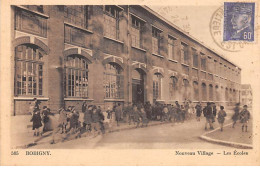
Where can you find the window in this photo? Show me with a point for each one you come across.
(171, 50)
(77, 76)
(77, 15)
(111, 21)
(203, 63)
(226, 94)
(196, 91)
(210, 92)
(173, 87)
(217, 98)
(28, 71)
(37, 8)
(186, 93)
(113, 81)
(156, 40)
(184, 54)
(195, 58)
(204, 91)
(157, 82)
(136, 32)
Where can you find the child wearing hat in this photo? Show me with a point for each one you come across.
(221, 117)
(37, 121)
(244, 118)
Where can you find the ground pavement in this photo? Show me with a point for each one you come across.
(231, 134)
(166, 136)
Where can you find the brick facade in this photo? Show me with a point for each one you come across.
(47, 28)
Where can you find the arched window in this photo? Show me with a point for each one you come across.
(195, 91)
(173, 87)
(217, 93)
(204, 91)
(28, 70)
(186, 88)
(210, 92)
(157, 84)
(113, 81)
(76, 76)
(226, 94)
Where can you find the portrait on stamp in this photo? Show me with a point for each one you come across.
(239, 21)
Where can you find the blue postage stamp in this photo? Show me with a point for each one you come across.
(239, 21)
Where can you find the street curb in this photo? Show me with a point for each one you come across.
(115, 130)
(225, 143)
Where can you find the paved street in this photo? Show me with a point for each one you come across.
(166, 136)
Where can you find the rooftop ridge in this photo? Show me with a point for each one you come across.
(186, 34)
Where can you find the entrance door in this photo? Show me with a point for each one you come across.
(137, 87)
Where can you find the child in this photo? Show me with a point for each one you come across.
(144, 118)
(183, 113)
(37, 121)
(63, 120)
(244, 117)
(95, 121)
(45, 117)
(221, 117)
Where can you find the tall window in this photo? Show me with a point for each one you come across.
(113, 81)
(217, 93)
(186, 88)
(77, 15)
(204, 91)
(77, 76)
(203, 64)
(111, 21)
(171, 50)
(156, 40)
(173, 87)
(157, 83)
(184, 53)
(196, 91)
(210, 92)
(136, 32)
(195, 58)
(28, 70)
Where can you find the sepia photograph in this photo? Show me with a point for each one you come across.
(131, 77)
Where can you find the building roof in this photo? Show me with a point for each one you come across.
(186, 34)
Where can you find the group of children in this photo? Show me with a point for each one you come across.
(210, 113)
(39, 118)
(94, 120)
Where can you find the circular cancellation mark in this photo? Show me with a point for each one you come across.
(216, 31)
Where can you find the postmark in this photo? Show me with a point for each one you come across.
(216, 27)
(239, 21)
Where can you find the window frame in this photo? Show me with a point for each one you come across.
(84, 15)
(185, 53)
(81, 71)
(30, 68)
(108, 13)
(157, 86)
(156, 37)
(171, 47)
(114, 91)
(136, 31)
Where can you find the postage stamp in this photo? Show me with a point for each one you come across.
(239, 21)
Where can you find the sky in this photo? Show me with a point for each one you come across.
(196, 21)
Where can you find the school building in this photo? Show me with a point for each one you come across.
(63, 55)
(246, 97)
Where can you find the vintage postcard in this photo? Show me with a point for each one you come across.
(130, 83)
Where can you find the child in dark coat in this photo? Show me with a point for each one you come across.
(37, 121)
(221, 117)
